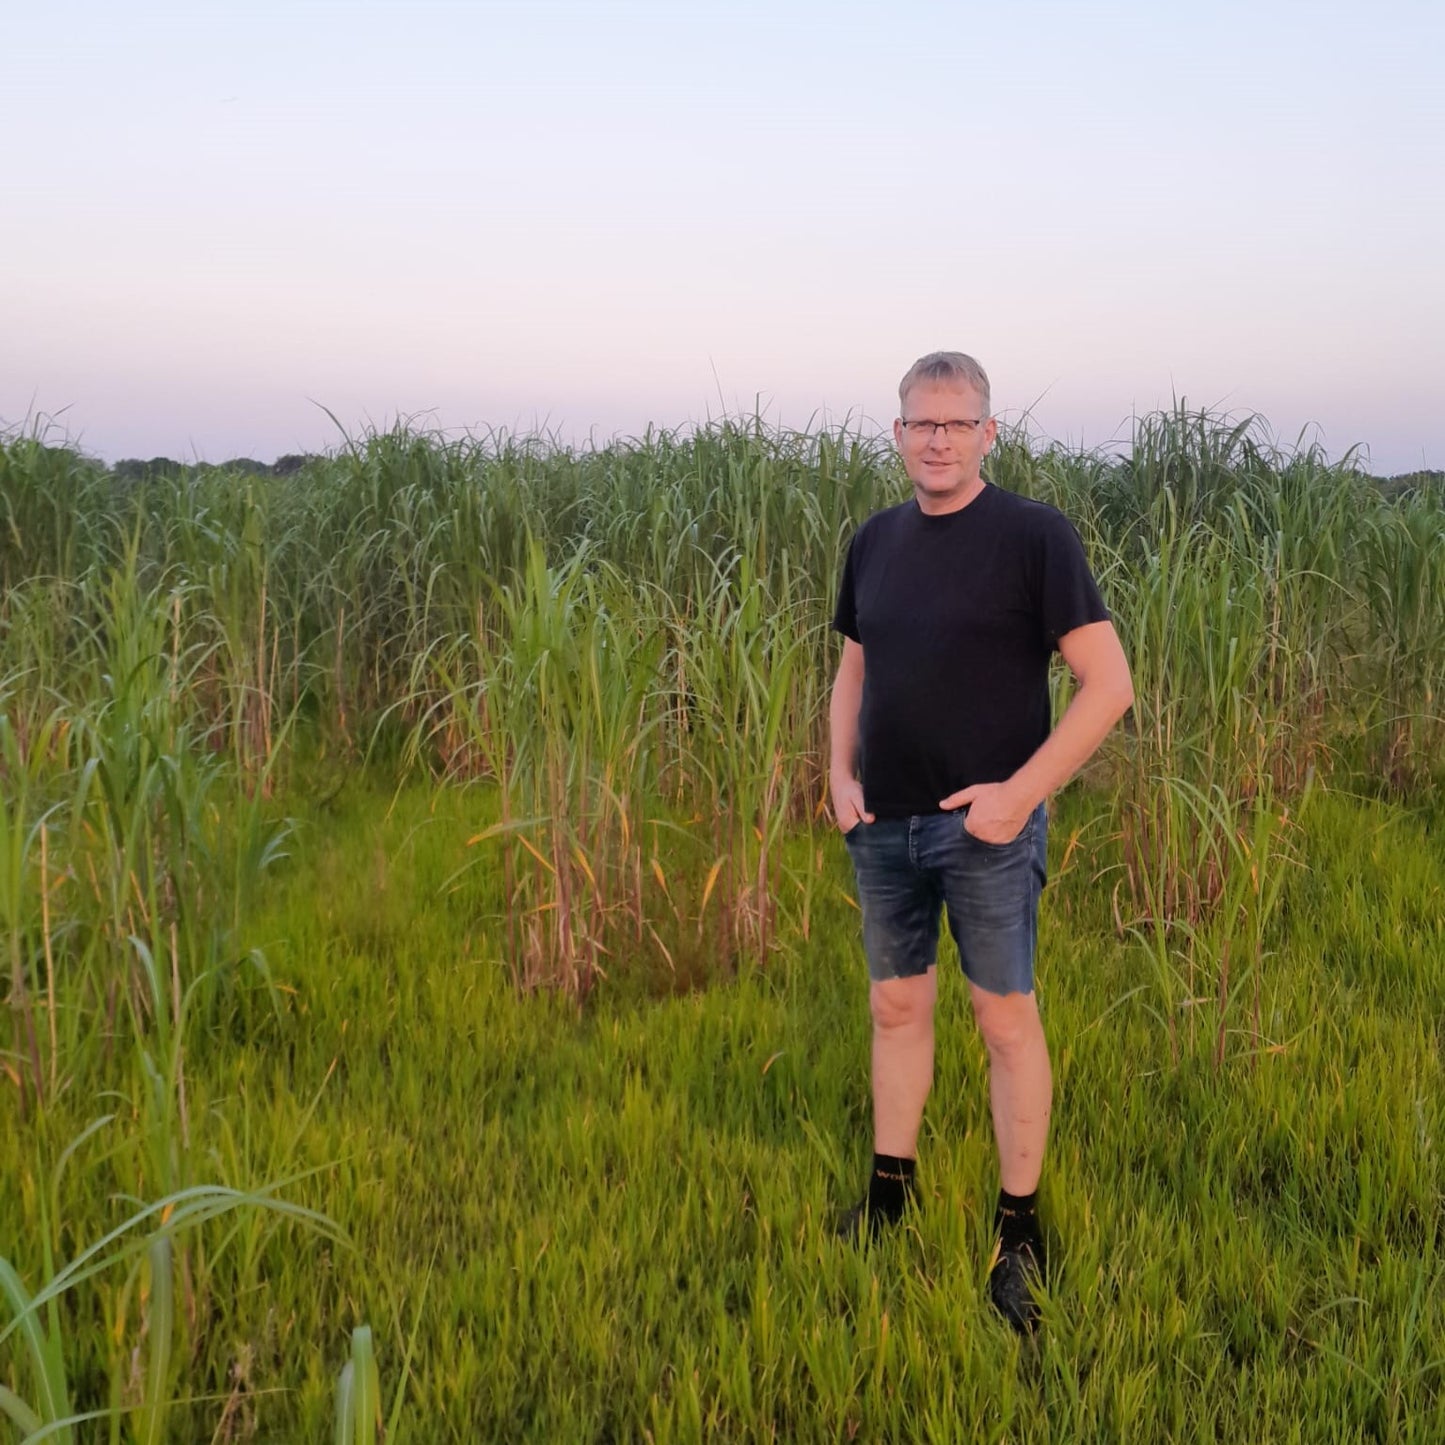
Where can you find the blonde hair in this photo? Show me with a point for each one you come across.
(946, 366)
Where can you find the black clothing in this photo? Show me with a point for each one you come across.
(1016, 1222)
(958, 616)
(891, 1185)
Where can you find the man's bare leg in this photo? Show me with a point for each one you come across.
(902, 1010)
(1021, 1084)
(1021, 1093)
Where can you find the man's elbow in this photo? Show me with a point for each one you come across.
(1122, 695)
(1114, 690)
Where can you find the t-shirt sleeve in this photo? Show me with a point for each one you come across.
(1067, 594)
(845, 614)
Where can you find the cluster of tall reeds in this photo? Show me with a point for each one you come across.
(651, 719)
(631, 643)
(1274, 609)
(131, 845)
(132, 838)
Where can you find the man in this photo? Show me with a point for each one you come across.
(951, 606)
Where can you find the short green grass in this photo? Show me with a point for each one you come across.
(612, 1224)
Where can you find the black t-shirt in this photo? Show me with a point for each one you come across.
(958, 616)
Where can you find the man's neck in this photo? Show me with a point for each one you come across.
(942, 506)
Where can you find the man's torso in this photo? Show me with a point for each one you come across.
(958, 616)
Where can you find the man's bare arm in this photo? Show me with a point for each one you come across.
(998, 811)
(843, 709)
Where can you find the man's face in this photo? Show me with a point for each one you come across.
(943, 465)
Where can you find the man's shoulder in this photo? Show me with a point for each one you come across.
(1022, 521)
(881, 525)
(887, 517)
(1027, 511)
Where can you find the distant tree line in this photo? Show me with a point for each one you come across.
(134, 469)
(1407, 482)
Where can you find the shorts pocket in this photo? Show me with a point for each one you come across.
(1019, 839)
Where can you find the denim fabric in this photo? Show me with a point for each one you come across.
(910, 870)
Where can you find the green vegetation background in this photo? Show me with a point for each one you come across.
(430, 841)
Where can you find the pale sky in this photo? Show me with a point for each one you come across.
(217, 219)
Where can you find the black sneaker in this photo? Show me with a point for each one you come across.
(859, 1224)
(1016, 1274)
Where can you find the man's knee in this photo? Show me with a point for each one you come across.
(1009, 1023)
(901, 1003)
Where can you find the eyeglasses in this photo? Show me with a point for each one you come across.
(955, 431)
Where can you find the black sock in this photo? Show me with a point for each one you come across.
(890, 1186)
(1017, 1221)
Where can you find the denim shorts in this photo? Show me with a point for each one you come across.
(911, 869)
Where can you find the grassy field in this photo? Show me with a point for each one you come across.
(435, 987)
